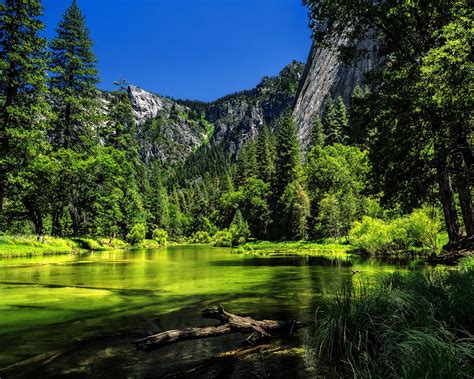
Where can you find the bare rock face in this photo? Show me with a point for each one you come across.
(239, 117)
(167, 130)
(147, 105)
(326, 76)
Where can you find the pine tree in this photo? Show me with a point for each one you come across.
(288, 155)
(331, 125)
(239, 229)
(24, 110)
(265, 155)
(73, 82)
(246, 163)
(119, 131)
(342, 120)
(317, 133)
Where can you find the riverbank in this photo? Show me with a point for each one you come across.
(292, 248)
(415, 325)
(24, 246)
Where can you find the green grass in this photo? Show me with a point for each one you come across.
(293, 248)
(411, 325)
(17, 246)
(30, 245)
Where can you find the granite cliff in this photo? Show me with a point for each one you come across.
(325, 75)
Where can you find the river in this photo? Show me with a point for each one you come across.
(76, 315)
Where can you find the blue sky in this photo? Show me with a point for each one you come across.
(193, 49)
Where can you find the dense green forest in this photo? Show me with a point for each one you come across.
(381, 171)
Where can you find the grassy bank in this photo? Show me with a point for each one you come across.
(17, 246)
(406, 325)
(293, 248)
(13, 246)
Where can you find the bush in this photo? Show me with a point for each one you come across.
(222, 238)
(160, 236)
(90, 244)
(404, 326)
(200, 237)
(137, 234)
(371, 235)
(417, 232)
(239, 229)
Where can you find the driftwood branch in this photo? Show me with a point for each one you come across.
(259, 330)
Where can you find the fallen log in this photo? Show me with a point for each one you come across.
(259, 330)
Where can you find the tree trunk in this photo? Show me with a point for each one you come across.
(56, 227)
(466, 208)
(446, 193)
(449, 208)
(229, 323)
(35, 216)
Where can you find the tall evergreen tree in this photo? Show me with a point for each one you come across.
(73, 82)
(317, 133)
(23, 106)
(331, 124)
(246, 163)
(265, 155)
(342, 120)
(288, 155)
(119, 130)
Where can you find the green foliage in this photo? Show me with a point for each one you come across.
(160, 236)
(222, 238)
(336, 122)
(317, 133)
(11, 246)
(200, 237)
(417, 232)
(265, 155)
(239, 229)
(288, 156)
(246, 166)
(137, 234)
(415, 325)
(336, 180)
(418, 112)
(255, 199)
(73, 82)
(24, 109)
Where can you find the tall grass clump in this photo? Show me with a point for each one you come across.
(417, 325)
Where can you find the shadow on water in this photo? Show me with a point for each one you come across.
(287, 261)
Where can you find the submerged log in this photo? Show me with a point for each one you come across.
(259, 330)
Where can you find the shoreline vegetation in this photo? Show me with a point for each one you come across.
(419, 324)
(24, 246)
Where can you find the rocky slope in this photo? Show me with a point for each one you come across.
(170, 130)
(240, 116)
(167, 130)
(325, 75)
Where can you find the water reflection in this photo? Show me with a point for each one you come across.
(90, 307)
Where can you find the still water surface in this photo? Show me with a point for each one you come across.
(75, 316)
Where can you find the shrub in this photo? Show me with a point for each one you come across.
(417, 232)
(370, 235)
(160, 236)
(222, 238)
(239, 229)
(137, 234)
(200, 237)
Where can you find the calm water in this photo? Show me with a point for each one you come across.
(76, 315)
